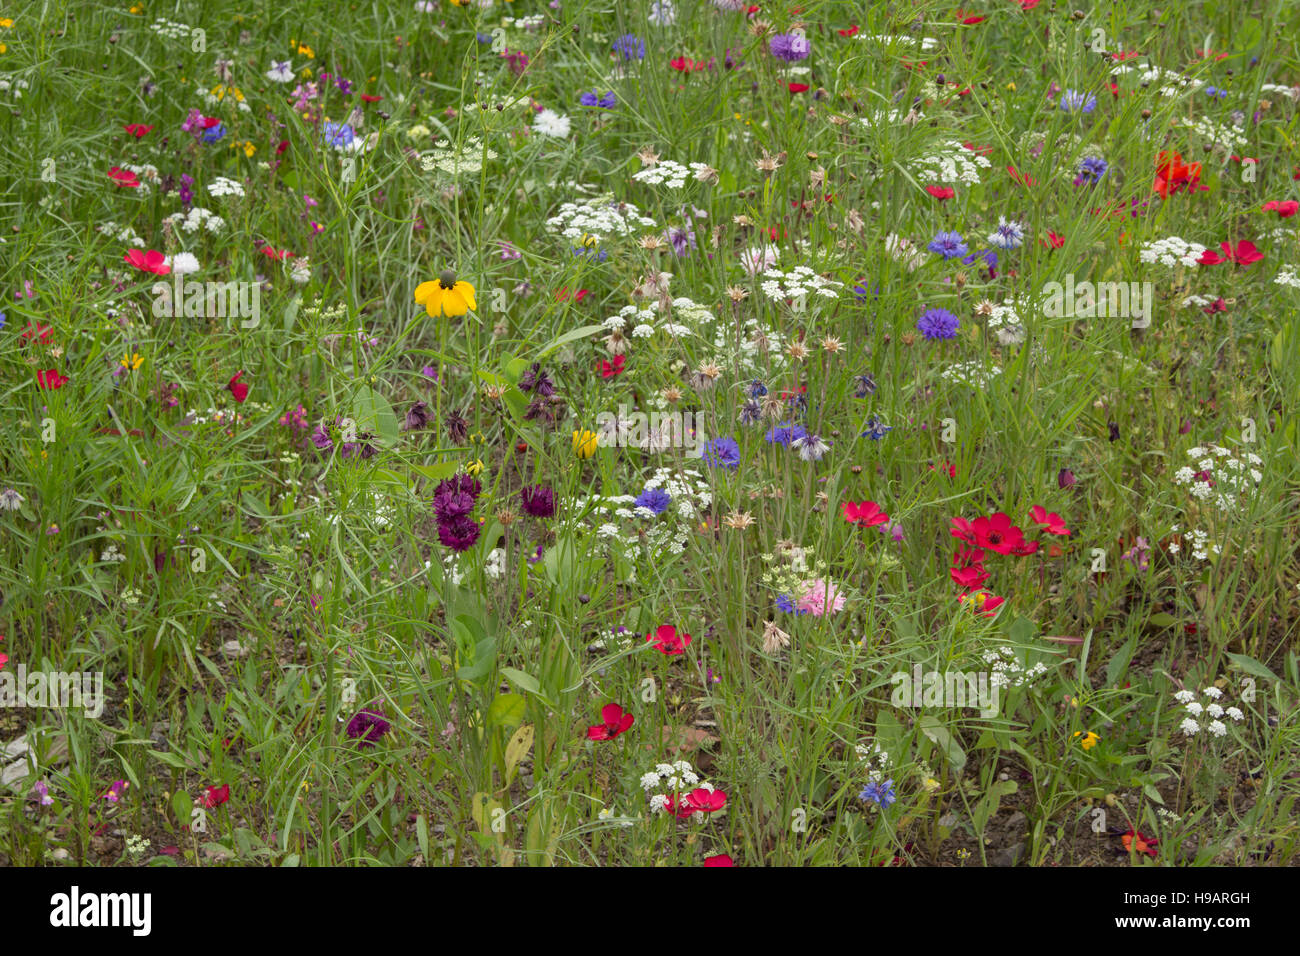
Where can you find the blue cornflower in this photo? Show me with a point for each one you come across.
(784, 603)
(339, 135)
(862, 292)
(605, 101)
(950, 245)
(214, 133)
(722, 453)
(630, 47)
(1215, 92)
(990, 259)
(876, 429)
(1073, 101)
(881, 794)
(938, 324)
(655, 499)
(3, 320)
(483, 38)
(785, 433)
(1091, 169)
(751, 412)
(1008, 235)
(757, 389)
(866, 386)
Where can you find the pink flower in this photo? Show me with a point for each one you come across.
(821, 597)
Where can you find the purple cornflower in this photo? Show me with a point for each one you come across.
(682, 240)
(538, 501)
(368, 726)
(320, 437)
(1073, 101)
(460, 533)
(213, 133)
(722, 453)
(791, 47)
(866, 386)
(950, 245)
(785, 603)
(605, 101)
(417, 416)
(785, 433)
(938, 324)
(537, 379)
(339, 135)
(655, 500)
(1091, 169)
(876, 429)
(630, 47)
(185, 193)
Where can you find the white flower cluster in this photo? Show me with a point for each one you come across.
(1004, 322)
(120, 233)
(1209, 131)
(670, 172)
(1229, 477)
(1198, 301)
(601, 218)
(1206, 717)
(1292, 91)
(1172, 251)
(1200, 542)
(1288, 277)
(797, 284)
(927, 43)
(691, 311)
(9, 83)
(760, 353)
(169, 30)
(973, 373)
(1007, 671)
(691, 496)
(112, 554)
(953, 163)
(447, 159)
(197, 218)
(641, 320)
(871, 753)
(1172, 82)
(675, 780)
(221, 187)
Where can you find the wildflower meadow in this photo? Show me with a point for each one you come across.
(653, 433)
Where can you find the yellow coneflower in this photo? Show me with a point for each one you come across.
(1089, 739)
(446, 296)
(132, 361)
(585, 443)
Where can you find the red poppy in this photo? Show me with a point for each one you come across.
(997, 533)
(668, 641)
(616, 721)
(1284, 210)
(210, 121)
(1128, 55)
(610, 369)
(1218, 305)
(39, 332)
(50, 378)
(984, 603)
(138, 129)
(367, 98)
(215, 796)
(1052, 522)
(947, 468)
(982, 150)
(1172, 176)
(848, 31)
(279, 254)
(1053, 241)
(1023, 178)
(705, 800)
(721, 859)
(1028, 4)
(238, 388)
(941, 192)
(1243, 254)
(798, 87)
(970, 577)
(684, 64)
(865, 513)
(281, 146)
(1136, 841)
(124, 178)
(151, 261)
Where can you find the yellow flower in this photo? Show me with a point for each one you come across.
(585, 443)
(445, 296)
(248, 148)
(306, 51)
(474, 468)
(1089, 739)
(6, 23)
(132, 361)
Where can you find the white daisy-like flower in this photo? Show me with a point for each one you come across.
(183, 263)
(550, 123)
(280, 72)
(1189, 727)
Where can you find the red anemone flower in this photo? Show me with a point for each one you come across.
(50, 378)
(616, 721)
(941, 192)
(668, 641)
(238, 388)
(610, 369)
(1243, 254)
(124, 178)
(138, 129)
(151, 261)
(997, 533)
(1051, 521)
(1284, 210)
(1172, 176)
(215, 796)
(865, 513)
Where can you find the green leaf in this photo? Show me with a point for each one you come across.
(521, 680)
(444, 469)
(1252, 666)
(506, 711)
(374, 414)
(570, 336)
(1162, 619)
(938, 733)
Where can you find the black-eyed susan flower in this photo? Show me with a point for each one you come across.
(132, 361)
(446, 296)
(585, 443)
(1089, 739)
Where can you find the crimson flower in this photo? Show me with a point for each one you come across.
(138, 129)
(941, 192)
(1284, 210)
(996, 533)
(1051, 521)
(151, 261)
(705, 800)
(1172, 176)
(865, 513)
(279, 254)
(50, 378)
(124, 178)
(984, 603)
(616, 721)
(1218, 305)
(1053, 241)
(1135, 840)
(797, 87)
(970, 577)
(668, 641)
(38, 331)
(1243, 255)
(215, 796)
(368, 98)
(238, 388)
(721, 859)
(1023, 178)
(610, 369)
(846, 32)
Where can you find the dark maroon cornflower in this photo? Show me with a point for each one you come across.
(321, 437)
(368, 726)
(542, 409)
(538, 501)
(1065, 479)
(417, 416)
(1113, 428)
(457, 428)
(459, 533)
